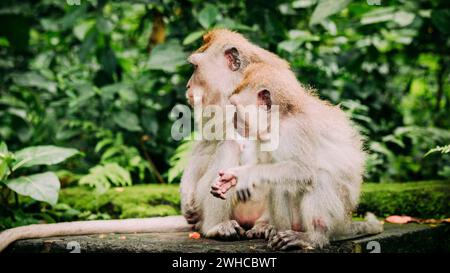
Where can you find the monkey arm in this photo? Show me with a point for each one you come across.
(284, 172)
(246, 178)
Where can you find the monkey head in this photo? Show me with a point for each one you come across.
(219, 65)
(265, 89)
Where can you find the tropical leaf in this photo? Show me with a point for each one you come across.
(42, 155)
(42, 187)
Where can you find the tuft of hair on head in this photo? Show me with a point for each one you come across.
(222, 37)
(284, 88)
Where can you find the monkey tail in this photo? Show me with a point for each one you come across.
(369, 226)
(155, 224)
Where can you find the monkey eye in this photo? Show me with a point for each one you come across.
(194, 65)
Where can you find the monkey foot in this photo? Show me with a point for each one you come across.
(229, 230)
(259, 231)
(290, 239)
(191, 213)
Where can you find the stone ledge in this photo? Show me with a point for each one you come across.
(395, 239)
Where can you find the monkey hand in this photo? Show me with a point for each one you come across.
(222, 185)
(240, 177)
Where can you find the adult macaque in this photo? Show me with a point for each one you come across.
(219, 65)
(314, 175)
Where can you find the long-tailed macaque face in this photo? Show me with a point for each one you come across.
(217, 71)
(253, 111)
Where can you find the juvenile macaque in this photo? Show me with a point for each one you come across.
(314, 175)
(219, 65)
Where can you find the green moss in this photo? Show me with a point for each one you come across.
(136, 201)
(428, 199)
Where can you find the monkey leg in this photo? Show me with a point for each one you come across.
(195, 169)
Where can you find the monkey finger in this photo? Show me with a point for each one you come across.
(225, 187)
(249, 234)
(215, 193)
(269, 233)
(233, 182)
(227, 176)
(249, 193)
(240, 196)
(246, 194)
(218, 194)
(274, 241)
(281, 243)
(239, 230)
(222, 196)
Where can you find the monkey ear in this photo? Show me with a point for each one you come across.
(264, 98)
(233, 58)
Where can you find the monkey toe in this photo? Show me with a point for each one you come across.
(228, 231)
(270, 232)
(261, 231)
(289, 239)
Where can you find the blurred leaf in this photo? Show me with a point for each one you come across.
(104, 25)
(168, 57)
(303, 3)
(127, 120)
(5, 160)
(34, 79)
(378, 15)
(403, 18)
(81, 29)
(192, 37)
(41, 187)
(441, 19)
(326, 8)
(208, 15)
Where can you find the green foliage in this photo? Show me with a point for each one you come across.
(41, 155)
(441, 149)
(179, 160)
(101, 177)
(417, 199)
(43, 186)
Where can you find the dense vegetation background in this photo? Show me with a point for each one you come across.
(102, 77)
